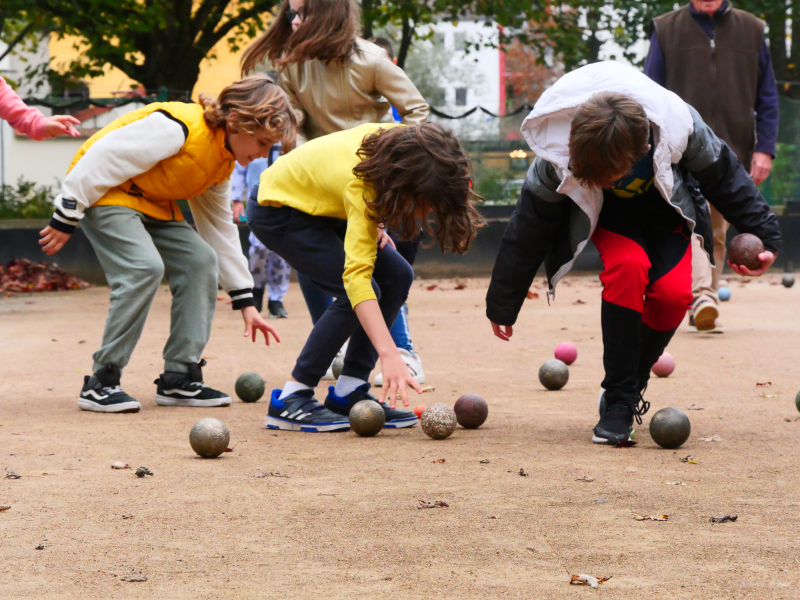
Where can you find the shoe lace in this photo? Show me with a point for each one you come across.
(641, 407)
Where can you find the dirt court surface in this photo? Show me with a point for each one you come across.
(345, 523)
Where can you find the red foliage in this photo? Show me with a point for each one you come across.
(26, 276)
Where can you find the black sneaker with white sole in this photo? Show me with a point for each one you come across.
(277, 310)
(395, 419)
(102, 393)
(301, 412)
(188, 389)
(616, 419)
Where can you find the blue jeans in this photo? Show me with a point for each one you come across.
(314, 247)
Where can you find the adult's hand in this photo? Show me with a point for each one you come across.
(760, 166)
(766, 258)
(238, 211)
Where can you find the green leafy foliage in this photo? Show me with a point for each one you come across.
(26, 201)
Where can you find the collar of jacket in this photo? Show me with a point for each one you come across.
(720, 12)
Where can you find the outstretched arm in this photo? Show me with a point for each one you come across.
(541, 211)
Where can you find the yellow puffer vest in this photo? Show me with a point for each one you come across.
(202, 162)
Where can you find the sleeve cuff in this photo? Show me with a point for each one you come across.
(63, 224)
(241, 298)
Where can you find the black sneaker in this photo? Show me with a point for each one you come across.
(301, 412)
(276, 310)
(188, 389)
(101, 393)
(395, 419)
(616, 420)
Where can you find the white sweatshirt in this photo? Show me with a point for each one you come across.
(134, 149)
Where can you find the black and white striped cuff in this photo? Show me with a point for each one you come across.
(241, 298)
(63, 223)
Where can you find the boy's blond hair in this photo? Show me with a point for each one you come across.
(252, 103)
(609, 134)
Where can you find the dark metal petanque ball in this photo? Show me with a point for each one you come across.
(797, 401)
(553, 374)
(250, 387)
(367, 418)
(788, 280)
(471, 411)
(438, 421)
(670, 428)
(744, 250)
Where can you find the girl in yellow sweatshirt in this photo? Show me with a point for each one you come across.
(122, 187)
(323, 208)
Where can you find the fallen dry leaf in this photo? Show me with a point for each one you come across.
(4, 508)
(142, 471)
(694, 407)
(228, 449)
(134, 577)
(436, 504)
(270, 474)
(639, 517)
(532, 295)
(120, 465)
(12, 475)
(579, 301)
(765, 384)
(522, 472)
(769, 395)
(460, 286)
(725, 519)
(587, 580)
(711, 438)
(675, 483)
(26, 276)
(689, 459)
(440, 460)
(585, 478)
(431, 287)
(485, 461)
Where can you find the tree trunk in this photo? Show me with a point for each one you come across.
(405, 42)
(367, 18)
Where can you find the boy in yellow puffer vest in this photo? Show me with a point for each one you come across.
(122, 186)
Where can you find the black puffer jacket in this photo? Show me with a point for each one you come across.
(549, 227)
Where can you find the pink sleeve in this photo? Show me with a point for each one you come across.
(24, 119)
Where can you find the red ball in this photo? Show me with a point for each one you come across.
(419, 409)
(566, 353)
(665, 365)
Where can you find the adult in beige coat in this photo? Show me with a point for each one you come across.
(335, 79)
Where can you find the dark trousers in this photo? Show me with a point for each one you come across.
(314, 246)
(645, 247)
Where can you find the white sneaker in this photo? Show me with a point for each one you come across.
(414, 364)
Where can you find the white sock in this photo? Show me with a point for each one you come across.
(293, 386)
(345, 385)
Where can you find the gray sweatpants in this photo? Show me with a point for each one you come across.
(136, 253)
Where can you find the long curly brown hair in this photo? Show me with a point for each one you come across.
(415, 171)
(328, 33)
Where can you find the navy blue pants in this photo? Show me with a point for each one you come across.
(314, 246)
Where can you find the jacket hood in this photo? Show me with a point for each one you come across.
(547, 127)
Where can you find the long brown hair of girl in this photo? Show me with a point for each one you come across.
(417, 170)
(328, 33)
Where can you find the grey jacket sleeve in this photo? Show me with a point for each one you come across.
(726, 184)
(541, 211)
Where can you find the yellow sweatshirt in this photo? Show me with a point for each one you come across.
(317, 179)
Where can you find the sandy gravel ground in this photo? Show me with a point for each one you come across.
(345, 523)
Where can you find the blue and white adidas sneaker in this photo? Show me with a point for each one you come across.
(395, 419)
(301, 412)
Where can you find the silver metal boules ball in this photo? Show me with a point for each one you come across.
(337, 366)
(670, 428)
(553, 374)
(367, 418)
(209, 437)
(788, 280)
